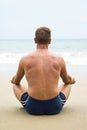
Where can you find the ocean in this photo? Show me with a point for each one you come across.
(74, 51)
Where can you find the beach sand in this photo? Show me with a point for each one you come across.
(72, 117)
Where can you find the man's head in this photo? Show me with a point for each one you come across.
(43, 35)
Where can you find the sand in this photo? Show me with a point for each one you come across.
(72, 117)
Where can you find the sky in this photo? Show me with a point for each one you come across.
(20, 18)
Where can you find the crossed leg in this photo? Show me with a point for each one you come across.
(65, 89)
(19, 90)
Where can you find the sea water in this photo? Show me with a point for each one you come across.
(74, 51)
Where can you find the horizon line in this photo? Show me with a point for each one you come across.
(51, 39)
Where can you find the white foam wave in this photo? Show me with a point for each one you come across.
(79, 58)
(11, 58)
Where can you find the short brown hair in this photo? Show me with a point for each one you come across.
(43, 34)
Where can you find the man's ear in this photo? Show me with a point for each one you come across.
(35, 40)
(49, 42)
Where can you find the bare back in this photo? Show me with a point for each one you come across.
(42, 71)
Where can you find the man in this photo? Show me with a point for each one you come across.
(42, 70)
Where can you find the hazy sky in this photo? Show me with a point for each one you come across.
(20, 18)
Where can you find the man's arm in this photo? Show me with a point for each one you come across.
(19, 75)
(67, 79)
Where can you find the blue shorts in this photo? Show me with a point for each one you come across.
(41, 107)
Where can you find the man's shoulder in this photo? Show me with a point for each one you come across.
(28, 55)
(27, 58)
(58, 56)
(60, 59)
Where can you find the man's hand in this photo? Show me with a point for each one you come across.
(13, 80)
(71, 80)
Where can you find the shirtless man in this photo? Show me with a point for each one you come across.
(42, 70)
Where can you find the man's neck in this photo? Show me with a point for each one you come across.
(42, 46)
